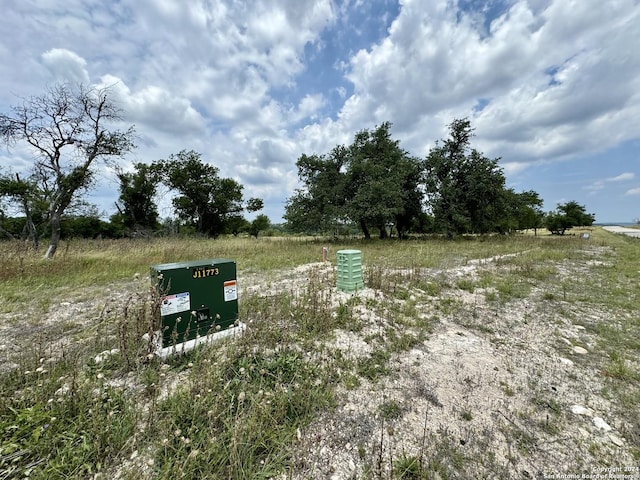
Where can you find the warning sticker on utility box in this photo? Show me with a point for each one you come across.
(176, 303)
(230, 291)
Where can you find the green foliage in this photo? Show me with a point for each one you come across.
(319, 206)
(465, 188)
(410, 468)
(138, 209)
(382, 182)
(525, 211)
(204, 200)
(372, 183)
(567, 216)
(72, 435)
(259, 224)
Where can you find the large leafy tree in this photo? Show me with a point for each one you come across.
(373, 183)
(382, 182)
(259, 224)
(566, 216)
(69, 130)
(204, 200)
(523, 211)
(137, 209)
(465, 189)
(319, 206)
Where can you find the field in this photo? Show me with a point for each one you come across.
(482, 357)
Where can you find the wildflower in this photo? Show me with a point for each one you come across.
(178, 432)
(165, 442)
(100, 376)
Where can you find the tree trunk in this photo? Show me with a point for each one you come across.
(383, 232)
(55, 236)
(365, 230)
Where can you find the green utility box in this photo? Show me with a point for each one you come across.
(198, 298)
(349, 270)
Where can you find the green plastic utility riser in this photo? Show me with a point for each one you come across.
(198, 298)
(349, 270)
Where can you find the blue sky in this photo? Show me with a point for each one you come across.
(552, 87)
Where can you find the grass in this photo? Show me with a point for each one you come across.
(242, 409)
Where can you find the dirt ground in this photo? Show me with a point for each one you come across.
(494, 390)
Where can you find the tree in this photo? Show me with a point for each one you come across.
(137, 208)
(204, 200)
(254, 205)
(382, 182)
(464, 188)
(66, 129)
(372, 183)
(524, 211)
(260, 223)
(567, 216)
(24, 194)
(319, 206)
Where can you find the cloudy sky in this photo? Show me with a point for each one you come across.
(552, 87)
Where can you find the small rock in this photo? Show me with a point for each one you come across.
(601, 424)
(579, 327)
(352, 465)
(566, 361)
(580, 350)
(566, 340)
(616, 440)
(580, 410)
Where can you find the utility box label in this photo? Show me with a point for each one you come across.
(176, 303)
(230, 291)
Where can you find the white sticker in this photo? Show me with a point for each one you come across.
(176, 303)
(230, 291)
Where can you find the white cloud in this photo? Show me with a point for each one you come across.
(633, 191)
(546, 80)
(601, 184)
(622, 177)
(155, 107)
(532, 68)
(66, 66)
(511, 168)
